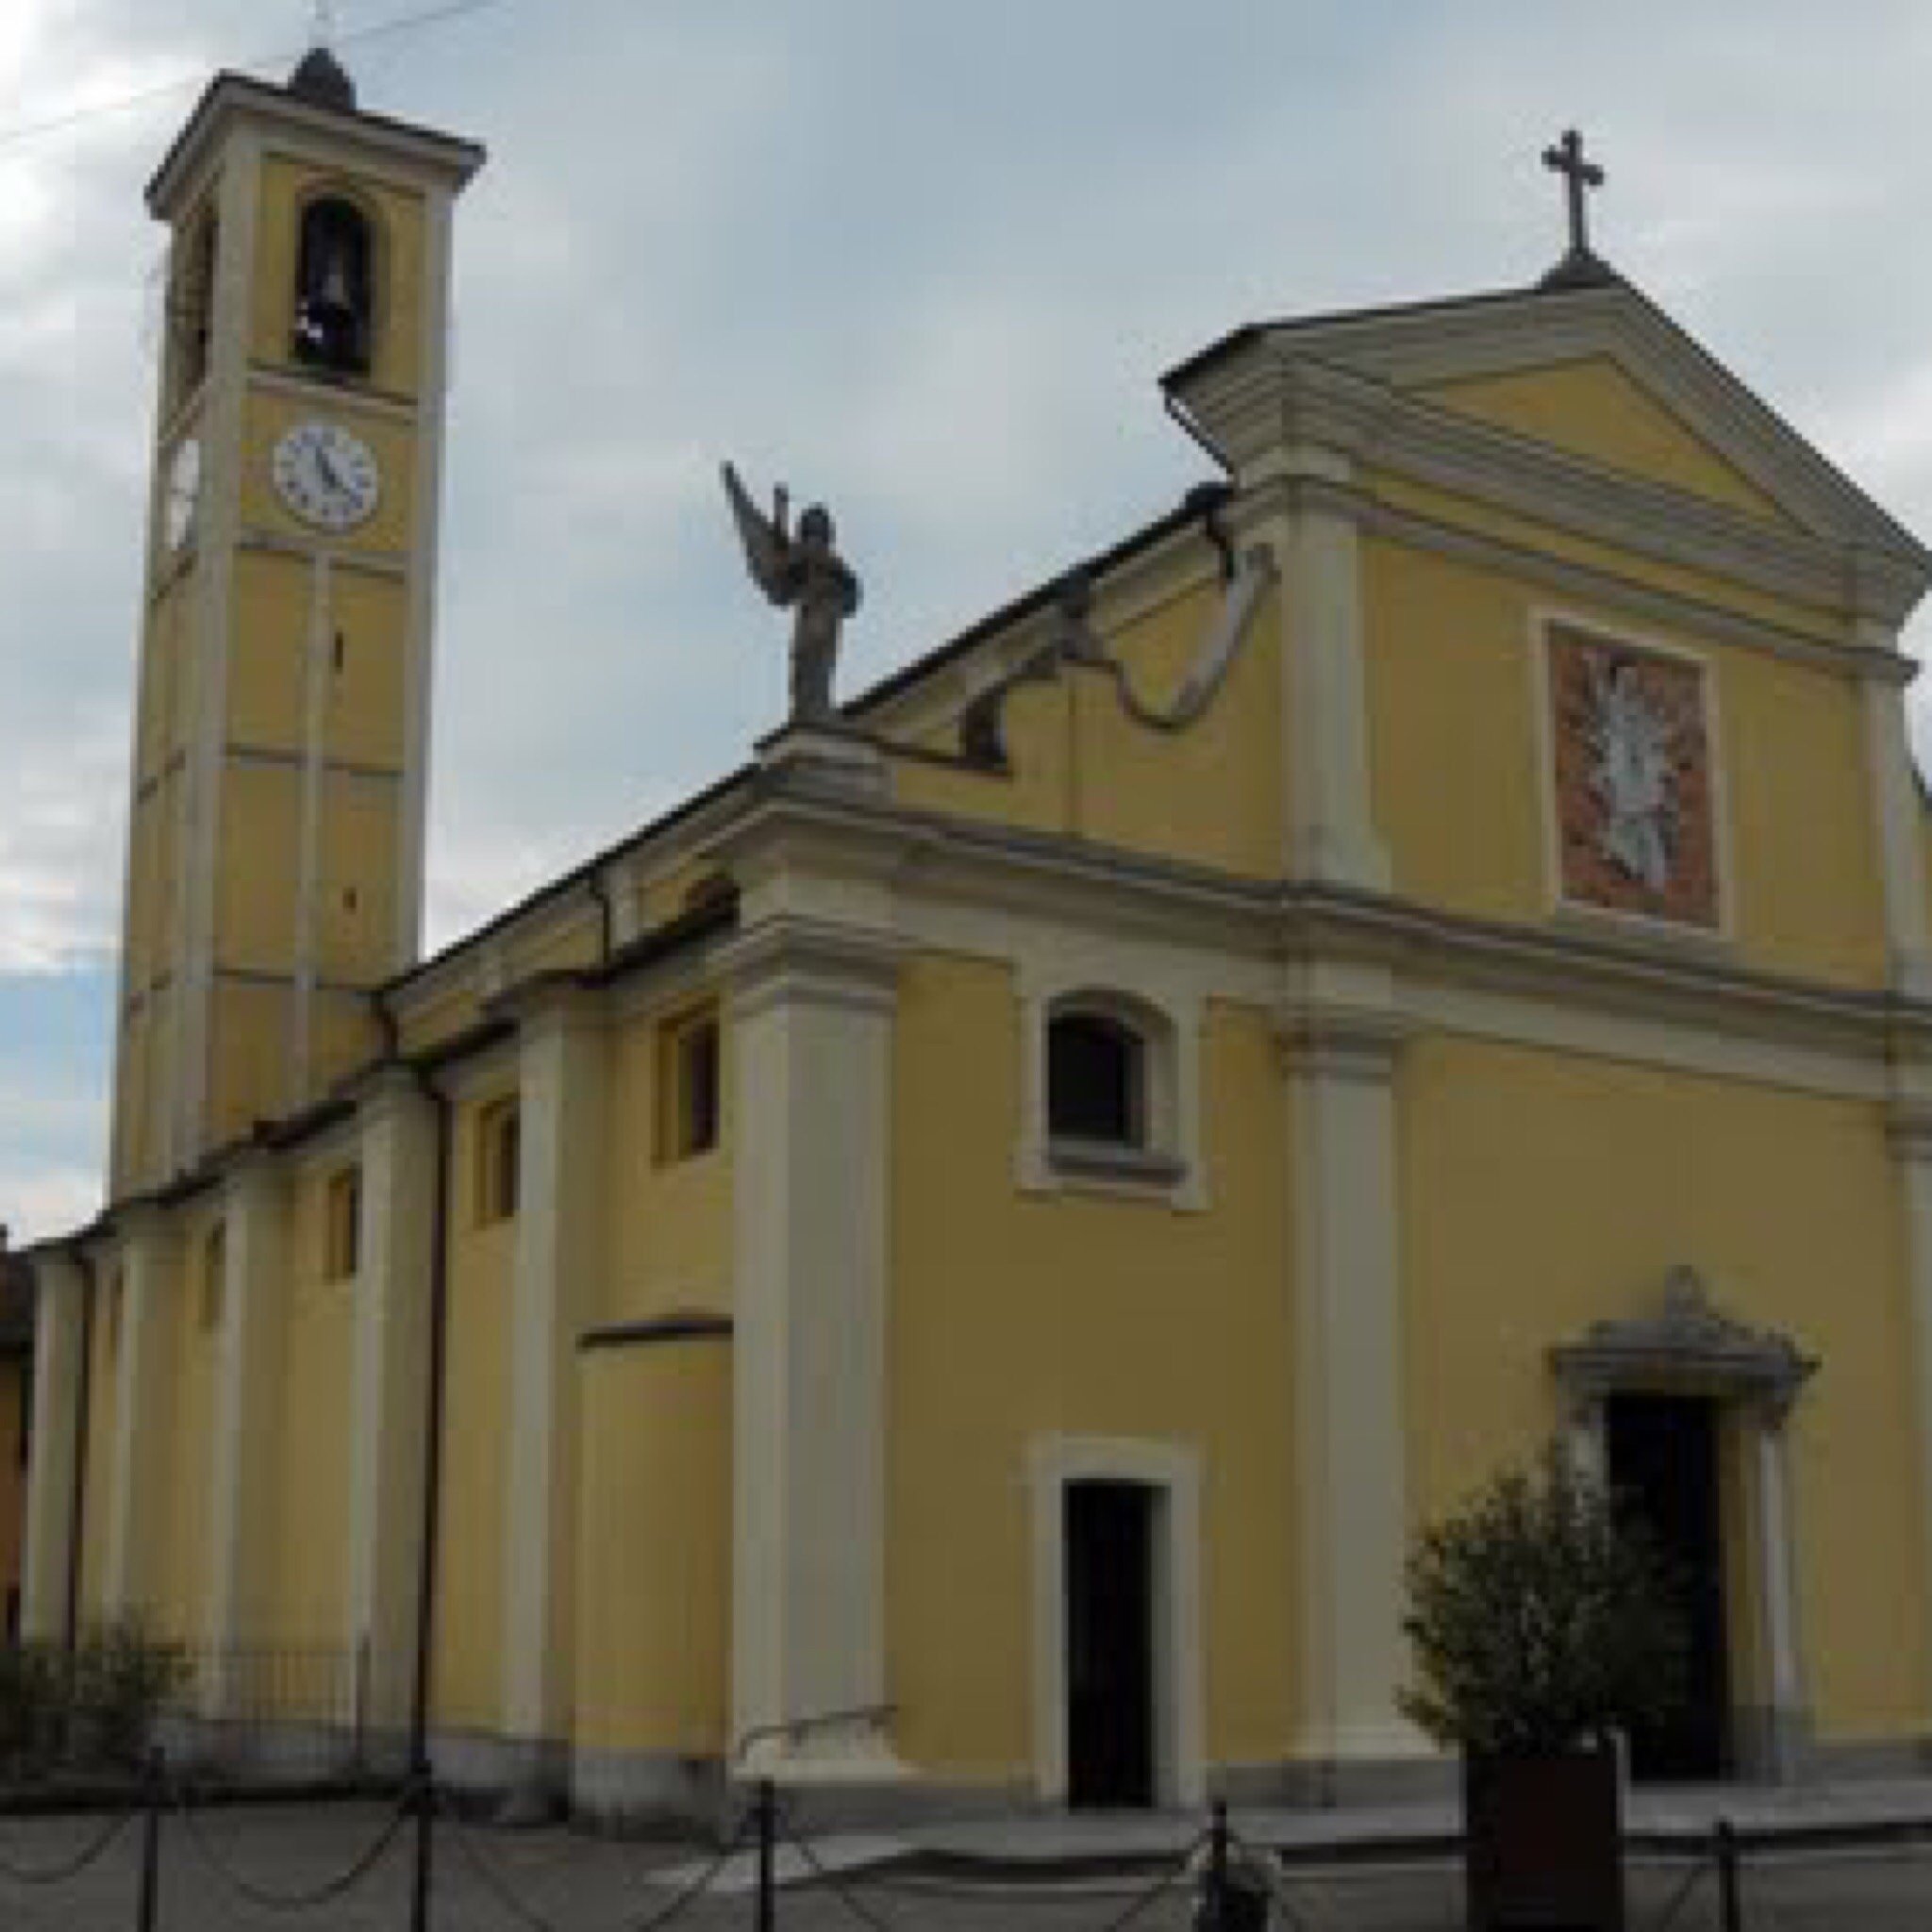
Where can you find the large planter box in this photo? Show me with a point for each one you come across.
(1544, 1842)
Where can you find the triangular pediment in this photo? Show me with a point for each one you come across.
(1595, 409)
(1597, 380)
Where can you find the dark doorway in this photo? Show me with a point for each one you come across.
(1109, 1550)
(1663, 1466)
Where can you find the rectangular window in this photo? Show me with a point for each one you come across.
(499, 1150)
(342, 1236)
(690, 1097)
(214, 1277)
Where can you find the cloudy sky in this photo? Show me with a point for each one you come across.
(925, 261)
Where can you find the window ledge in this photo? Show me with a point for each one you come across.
(1106, 1160)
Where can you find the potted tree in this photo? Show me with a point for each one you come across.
(1543, 1622)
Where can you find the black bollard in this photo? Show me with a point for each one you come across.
(768, 1843)
(1214, 1906)
(148, 1906)
(1730, 1906)
(425, 1783)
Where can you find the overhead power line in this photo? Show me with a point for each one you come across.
(22, 132)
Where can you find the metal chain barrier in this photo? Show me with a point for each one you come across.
(872, 1920)
(500, 1889)
(72, 1868)
(268, 1899)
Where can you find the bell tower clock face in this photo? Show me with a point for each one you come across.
(328, 476)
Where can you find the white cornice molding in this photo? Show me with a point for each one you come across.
(1263, 410)
(1339, 385)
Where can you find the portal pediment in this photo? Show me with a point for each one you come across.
(1685, 1342)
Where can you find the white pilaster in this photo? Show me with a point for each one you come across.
(1911, 1141)
(811, 1018)
(560, 1260)
(388, 1402)
(59, 1342)
(140, 1458)
(1777, 1595)
(1342, 1041)
(1901, 816)
(1331, 833)
(245, 1444)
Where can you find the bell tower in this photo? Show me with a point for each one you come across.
(280, 765)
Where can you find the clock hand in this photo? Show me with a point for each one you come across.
(329, 471)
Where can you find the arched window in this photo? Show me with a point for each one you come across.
(335, 287)
(1096, 1079)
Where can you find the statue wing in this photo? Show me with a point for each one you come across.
(767, 554)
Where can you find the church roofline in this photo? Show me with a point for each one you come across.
(1426, 341)
(230, 92)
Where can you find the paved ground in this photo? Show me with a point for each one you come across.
(552, 1878)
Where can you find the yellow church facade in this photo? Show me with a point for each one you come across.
(951, 1266)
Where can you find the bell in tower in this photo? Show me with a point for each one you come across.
(333, 288)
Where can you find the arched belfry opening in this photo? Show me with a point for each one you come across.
(190, 308)
(335, 287)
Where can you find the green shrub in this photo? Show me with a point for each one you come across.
(1540, 1619)
(31, 1692)
(121, 1678)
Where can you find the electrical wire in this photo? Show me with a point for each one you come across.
(22, 132)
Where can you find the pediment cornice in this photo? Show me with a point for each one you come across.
(1271, 396)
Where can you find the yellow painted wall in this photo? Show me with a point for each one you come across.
(669, 1235)
(470, 1556)
(286, 184)
(653, 1537)
(255, 878)
(1543, 1193)
(364, 710)
(1592, 408)
(268, 654)
(98, 1475)
(1083, 766)
(310, 1515)
(1017, 1317)
(181, 1596)
(356, 913)
(1459, 789)
(249, 1057)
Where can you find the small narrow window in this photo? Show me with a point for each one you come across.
(1097, 1080)
(342, 1235)
(214, 1278)
(335, 288)
(499, 1150)
(690, 1098)
(114, 1285)
(26, 1411)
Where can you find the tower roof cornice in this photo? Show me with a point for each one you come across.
(231, 100)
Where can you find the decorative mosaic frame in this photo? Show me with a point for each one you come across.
(1632, 778)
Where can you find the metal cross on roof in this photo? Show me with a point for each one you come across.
(322, 25)
(1580, 175)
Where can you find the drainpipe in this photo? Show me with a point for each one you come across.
(77, 1508)
(1207, 500)
(432, 1504)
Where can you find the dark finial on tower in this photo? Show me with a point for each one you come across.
(318, 77)
(1581, 267)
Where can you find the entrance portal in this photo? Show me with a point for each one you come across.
(1663, 1465)
(1109, 1625)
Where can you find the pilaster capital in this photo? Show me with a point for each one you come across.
(551, 1003)
(794, 958)
(393, 1093)
(1337, 1039)
(1909, 1129)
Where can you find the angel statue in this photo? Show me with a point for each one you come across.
(803, 573)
